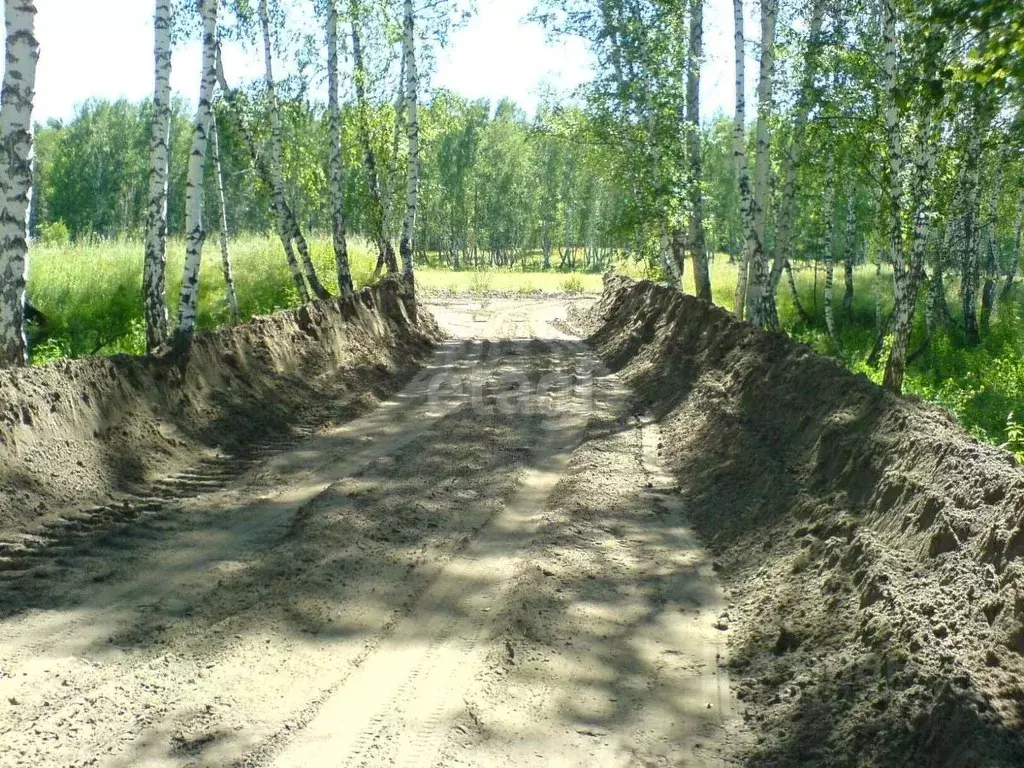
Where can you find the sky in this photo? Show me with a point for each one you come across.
(104, 48)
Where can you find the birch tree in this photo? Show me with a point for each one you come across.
(225, 254)
(276, 152)
(828, 212)
(739, 148)
(971, 255)
(194, 232)
(16, 102)
(337, 169)
(908, 267)
(413, 134)
(698, 248)
(850, 248)
(386, 253)
(760, 292)
(154, 271)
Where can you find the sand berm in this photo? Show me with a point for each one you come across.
(873, 551)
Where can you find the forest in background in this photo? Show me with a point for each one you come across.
(869, 201)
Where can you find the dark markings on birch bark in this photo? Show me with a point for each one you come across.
(286, 222)
(195, 235)
(760, 292)
(828, 246)
(971, 256)
(850, 248)
(337, 168)
(698, 246)
(386, 252)
(154, 271)
(739, 150)
(16, 175)
(413, 135)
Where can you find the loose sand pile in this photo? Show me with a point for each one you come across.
(78, 433)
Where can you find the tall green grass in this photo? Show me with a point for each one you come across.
(91, 293)
(91, 296)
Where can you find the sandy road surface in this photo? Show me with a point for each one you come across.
(488, 570)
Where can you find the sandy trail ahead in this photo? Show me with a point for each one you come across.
(488, 570)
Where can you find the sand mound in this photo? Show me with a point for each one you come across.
(872, 548)
(83, 432)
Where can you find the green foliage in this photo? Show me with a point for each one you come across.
(1014, 438)
(55, 234)
(90, 292)
(572, 285)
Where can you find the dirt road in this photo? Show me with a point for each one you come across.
(490, 570)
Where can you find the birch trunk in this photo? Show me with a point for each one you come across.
(784, 228)
(828, 211)
(988, 291)
(154, 288)
(260, 167)
(337, 168)
(225, 254)
(289, 229)
(386, 251)
(194, 233)
(739, 150)
(906, 302)
(972, 237)
(698, 248)
(16, 175)
(760, 291)
(851, 252)
(413, 133)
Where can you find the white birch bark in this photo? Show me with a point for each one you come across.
(739, 150)
(337, 168)
(913, 267)
(225, 254)
(16, 105)
(760, 292)
(194, 233)
(288, 228)
(972, 235)
(413, 134)
(828, 211)
(701, 275)
(988, 291)
(386, 256)
(154, 291)
(851, 252)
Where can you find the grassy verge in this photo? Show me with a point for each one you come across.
(90, 293)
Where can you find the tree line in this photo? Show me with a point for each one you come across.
(262, 23)
(886, 132)
(890, 130)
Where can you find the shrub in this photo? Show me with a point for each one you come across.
(572, 285)
(55, 233)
